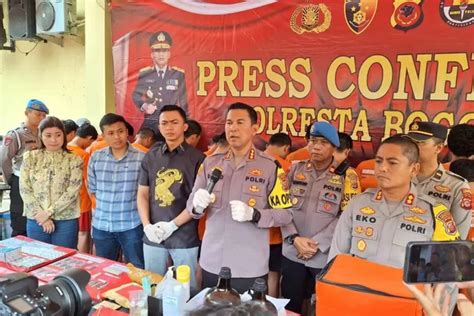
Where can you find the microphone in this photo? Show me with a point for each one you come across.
(211, 182)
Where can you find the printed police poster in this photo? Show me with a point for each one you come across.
(369, 67)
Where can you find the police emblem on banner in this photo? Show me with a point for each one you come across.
(458, 13)
(407, 14)
(359, 14)
(310, 18)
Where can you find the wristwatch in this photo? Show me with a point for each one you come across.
(291, 239)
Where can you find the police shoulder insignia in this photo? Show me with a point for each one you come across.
(7, 141)
(359, 14)
(378, 195)
(466, 201)
(446, 218)
(438, 175)
(146, 69)
(457, 13)
(310, 18)
(409, 199)
(367, 210)
(252, 154)
(177, 69)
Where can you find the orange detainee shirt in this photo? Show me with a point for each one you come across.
(140, 147)
(84, 199)
(366, 172)
(97, 145)
(299, 154)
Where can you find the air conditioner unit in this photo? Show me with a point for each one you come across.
(55, 17)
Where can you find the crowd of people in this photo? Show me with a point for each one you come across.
(276, 214)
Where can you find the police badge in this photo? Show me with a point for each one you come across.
(359, 14)
(458, 13)
(407, 14)
(310, 18)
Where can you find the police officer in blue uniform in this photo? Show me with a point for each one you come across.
(160, 84)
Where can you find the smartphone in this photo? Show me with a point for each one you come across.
(436, 262)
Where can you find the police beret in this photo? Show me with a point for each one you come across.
(326, 130)
(37, 105)
(420, 131)
(160, 40)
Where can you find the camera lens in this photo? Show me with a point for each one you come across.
(66, 294)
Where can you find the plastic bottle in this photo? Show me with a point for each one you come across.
(222, 294)
(259, 303)
(172, 295)
(183, 275)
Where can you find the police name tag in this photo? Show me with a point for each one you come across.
(171, 87)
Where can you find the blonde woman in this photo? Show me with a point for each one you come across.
(50, 180)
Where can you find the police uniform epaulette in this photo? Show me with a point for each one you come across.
(450, 173)
(263, 155)
(178, 69)
(371, 191)
(427, 198)
(146, 69)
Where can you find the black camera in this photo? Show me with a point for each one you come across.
(66, 295)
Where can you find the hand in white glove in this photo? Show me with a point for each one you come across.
(166, 229)
(241, 212)
(201, 200)
(153, 233)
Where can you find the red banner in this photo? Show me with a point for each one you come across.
(369, 67)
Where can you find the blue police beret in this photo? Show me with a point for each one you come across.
(37, 105)
(326, 130)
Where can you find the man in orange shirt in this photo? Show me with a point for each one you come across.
(366, 171)
(278, 148)
(85, 135)
(460, 143)
(193, 133)
(302, 153)
(145, 138)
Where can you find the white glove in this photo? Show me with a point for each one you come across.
(241, 212)
(153, 233)
(201, 200)
(166, 229)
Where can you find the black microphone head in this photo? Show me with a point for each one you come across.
(216, 175)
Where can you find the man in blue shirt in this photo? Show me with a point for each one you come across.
(113, 180)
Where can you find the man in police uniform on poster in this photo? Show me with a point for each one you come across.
(159, 84)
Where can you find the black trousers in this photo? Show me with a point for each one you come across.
(241, 285)
(297, 283)
(18, 221)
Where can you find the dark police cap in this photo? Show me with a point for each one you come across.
(421, 131)
(160, 40)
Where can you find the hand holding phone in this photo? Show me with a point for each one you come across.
(435, 262)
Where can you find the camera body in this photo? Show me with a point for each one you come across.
(66, 295)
